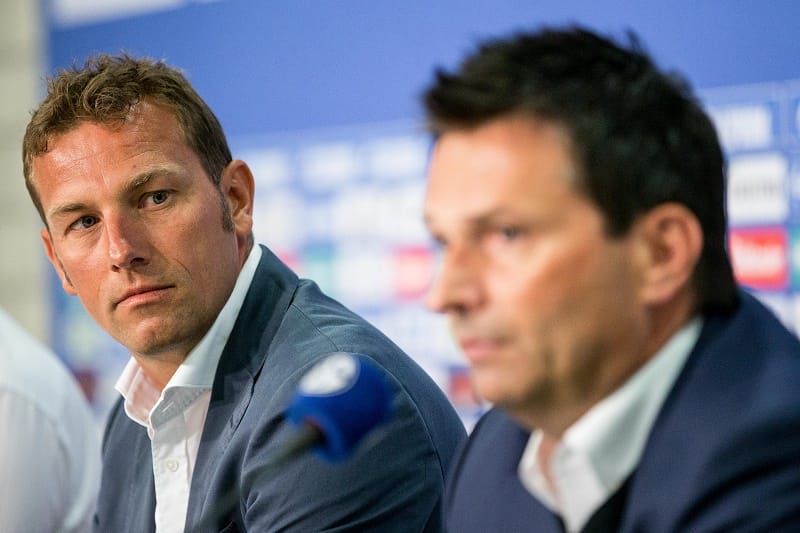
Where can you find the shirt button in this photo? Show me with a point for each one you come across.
(172, 465)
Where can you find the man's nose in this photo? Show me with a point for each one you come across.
(126, 242)
(457, 286)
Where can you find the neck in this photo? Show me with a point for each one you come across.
(668, 319)
(158, 370)
(544, 456)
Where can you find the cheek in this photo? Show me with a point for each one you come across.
(192, 237)
(536, 289)
(555, 302)
(80, 271)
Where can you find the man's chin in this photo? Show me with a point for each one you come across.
(492, 388)
(151, 345)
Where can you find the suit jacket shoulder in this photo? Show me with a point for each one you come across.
(392, 483)
(724, 453)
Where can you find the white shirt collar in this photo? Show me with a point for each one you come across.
(200, 366)
(601, 449)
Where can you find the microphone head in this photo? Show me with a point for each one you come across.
(344, 396)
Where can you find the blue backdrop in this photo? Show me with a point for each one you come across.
(321, 98)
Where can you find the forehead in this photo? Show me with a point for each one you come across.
(147, 114)
(512, 160)
(93, 159)
(148, 128)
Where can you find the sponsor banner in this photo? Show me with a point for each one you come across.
(793, 112)
(77, 12)
(794, 256)
(413, 269)
(757, 189)
(745, 126)
(760, 257)
(793, 184)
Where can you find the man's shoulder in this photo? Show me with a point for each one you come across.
(740, 359)
(728, 434)
(744, 368)
(754, 322)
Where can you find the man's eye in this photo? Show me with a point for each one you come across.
(159, 197)
(84, 222)
(510, 232)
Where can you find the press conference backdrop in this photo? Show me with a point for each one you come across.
(321, 99)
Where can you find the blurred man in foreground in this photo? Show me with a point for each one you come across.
(577, 194)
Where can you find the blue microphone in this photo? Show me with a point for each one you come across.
(338, 402)
(341, 399)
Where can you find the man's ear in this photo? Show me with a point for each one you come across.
(238, 187)
(47, 240)
(671, 240)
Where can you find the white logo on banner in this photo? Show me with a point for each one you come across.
(757, 189)
(74, 12)
(743, 126)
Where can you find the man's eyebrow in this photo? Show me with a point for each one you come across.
(66, 209)
(476, 222)
(137, 182)
(486, 219)
(140, 180)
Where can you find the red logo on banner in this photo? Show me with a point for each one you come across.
(413, 271)
(760, 257)
(460, 390)
(289, 257)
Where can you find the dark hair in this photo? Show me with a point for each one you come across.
(104, 91)
(639, 137)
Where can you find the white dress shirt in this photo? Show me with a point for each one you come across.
(601, 449)
(50, 442)
(175, 417)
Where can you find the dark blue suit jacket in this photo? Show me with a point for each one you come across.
(284, 327)
(723, 455)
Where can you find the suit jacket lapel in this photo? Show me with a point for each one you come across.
(485, 493)
(242, 359)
